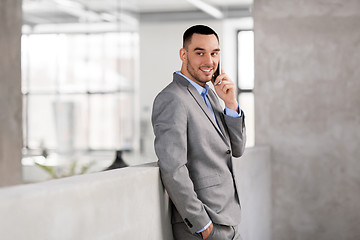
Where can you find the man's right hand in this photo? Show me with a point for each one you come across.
(205, 234)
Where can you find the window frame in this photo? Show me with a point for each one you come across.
(241, 91)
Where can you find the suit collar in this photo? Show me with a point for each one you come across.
(200, 89)
(181, 80)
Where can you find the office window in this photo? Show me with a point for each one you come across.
(245, 81)
(79, 91)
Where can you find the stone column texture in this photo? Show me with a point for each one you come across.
(10, 92)
(307, 91)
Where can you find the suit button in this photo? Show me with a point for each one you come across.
(228, 151)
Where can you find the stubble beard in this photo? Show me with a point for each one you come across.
(194, 74)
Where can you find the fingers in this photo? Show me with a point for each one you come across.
(218, 80)
(224, 83)
(226, 91)
(217, 83)
(226, 86)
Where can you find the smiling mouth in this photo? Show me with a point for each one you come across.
(206, 70)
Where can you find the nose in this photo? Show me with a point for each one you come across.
(209, 60)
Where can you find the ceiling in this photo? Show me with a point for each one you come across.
(128, 12)
(176, 5)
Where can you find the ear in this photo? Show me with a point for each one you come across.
(182, 54)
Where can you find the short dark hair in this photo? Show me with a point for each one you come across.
(199, 29)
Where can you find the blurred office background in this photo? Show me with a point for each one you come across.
(100, 60)
(78, 78)
(91, 69)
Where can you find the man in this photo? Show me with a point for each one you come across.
(196, 140)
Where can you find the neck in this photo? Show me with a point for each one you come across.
(188, 75)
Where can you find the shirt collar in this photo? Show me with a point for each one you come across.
(202, 90)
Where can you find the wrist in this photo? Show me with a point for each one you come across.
(233, 105)
(206, 233)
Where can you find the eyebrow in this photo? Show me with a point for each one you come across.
(202, 49)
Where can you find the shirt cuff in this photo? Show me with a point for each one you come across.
(233, 113)
(207, 225)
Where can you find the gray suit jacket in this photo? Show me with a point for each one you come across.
(195, 155)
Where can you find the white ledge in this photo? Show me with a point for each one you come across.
(114, 204)
(127, 203)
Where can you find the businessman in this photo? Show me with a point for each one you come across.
(196, 140)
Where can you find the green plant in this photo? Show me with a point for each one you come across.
(56, 172)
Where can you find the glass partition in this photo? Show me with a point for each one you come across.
(81, 84)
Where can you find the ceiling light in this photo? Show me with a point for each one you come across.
(207, 8)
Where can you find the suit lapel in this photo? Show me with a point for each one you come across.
(200, 101)
(213, 99)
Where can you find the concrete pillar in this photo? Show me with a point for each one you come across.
(307, 90)
(10, 92)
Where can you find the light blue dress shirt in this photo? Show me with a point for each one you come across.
(203, 92)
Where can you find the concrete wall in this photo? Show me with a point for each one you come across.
(307, 109)
(128, 203)
(10, 93)
(254, 171)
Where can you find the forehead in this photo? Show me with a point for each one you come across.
(207, 42)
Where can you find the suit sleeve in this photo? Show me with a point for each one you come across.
(237, 134)
(169, 119)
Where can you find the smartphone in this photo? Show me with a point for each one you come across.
(217, 73)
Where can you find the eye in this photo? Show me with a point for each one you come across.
(214, 54)
(200, 53)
